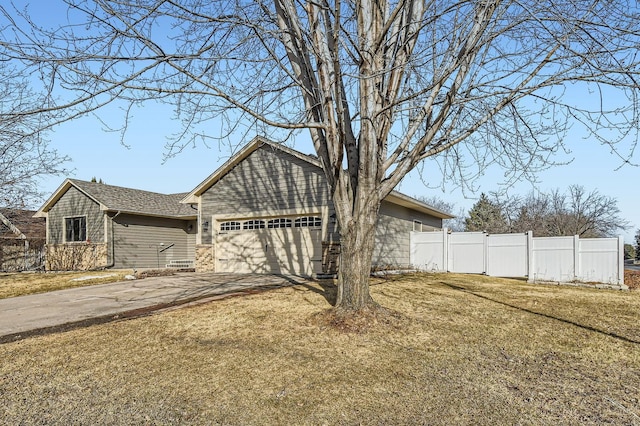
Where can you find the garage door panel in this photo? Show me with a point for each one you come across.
(240, 252)
(295, 251)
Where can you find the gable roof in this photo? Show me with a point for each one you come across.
(20, 224)
(124, 200)
(394, 197)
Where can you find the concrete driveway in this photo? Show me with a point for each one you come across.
(36, 314)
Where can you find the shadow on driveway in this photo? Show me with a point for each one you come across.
(62, 310)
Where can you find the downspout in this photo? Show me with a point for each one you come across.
(113, 243)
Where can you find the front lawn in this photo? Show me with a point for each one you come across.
(23, 283)
(461, 350)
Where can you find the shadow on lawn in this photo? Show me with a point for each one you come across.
(327, 289)
(584, 327)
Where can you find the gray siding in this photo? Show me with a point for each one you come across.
(392, 235)
(139, 241)
(267, 179)
(192, 229)
(272, 180)
(74, 203)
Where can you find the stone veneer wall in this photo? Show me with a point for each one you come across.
(330, 257)
(205, 258)
(75, 256)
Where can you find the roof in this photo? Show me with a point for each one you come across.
(22, 220)
(124, 200)
(394, 197)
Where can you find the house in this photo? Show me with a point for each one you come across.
(92, 225)
(21, 240)
(266, 210)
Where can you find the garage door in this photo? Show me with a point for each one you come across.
(275, 246)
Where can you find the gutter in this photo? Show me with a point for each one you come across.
(113, 244)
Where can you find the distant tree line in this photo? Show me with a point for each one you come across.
(572, 212)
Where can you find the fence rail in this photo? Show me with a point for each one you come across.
(560, 259)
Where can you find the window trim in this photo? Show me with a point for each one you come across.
(231, 225)
(417, 224)
(253, 224)
(279, 223)
(65, 227)
(314, 222)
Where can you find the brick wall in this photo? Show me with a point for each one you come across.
(205, 258)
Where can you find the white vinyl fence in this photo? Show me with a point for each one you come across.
(560, 259)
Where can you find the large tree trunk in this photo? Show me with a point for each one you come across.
(356, 249)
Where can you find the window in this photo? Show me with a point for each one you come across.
(253, 224)
(230, 226)
(279, 223)
(308, 222)
(75, 229)
(417, 225)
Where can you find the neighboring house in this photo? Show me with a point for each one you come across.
(22, 240)
(266, 210)
(92, 225)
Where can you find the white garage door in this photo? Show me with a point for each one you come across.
(275, 246)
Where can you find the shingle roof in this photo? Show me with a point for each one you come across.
(32, 228)
(129, 200)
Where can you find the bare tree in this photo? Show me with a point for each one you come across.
(25, 157)
(457, 223)
(379, 85)
(574, 212)
(589, 215)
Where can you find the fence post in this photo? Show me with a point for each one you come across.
(485, 252)
(530, 277)
(577, 272)
(445, 249)
(26, 254)
(620, 280)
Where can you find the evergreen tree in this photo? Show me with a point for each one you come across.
(486, 215)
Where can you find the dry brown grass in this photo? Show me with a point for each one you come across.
(459, 350)
(20, 284)
(632, 279)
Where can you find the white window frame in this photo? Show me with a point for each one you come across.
(230, 226)
(308, 222)
(279, 223)
(64, 229)
(253, 224)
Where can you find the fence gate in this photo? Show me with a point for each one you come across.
(507, 255)
(467, 252)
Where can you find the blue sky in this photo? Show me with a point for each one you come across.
(96, 152)
(100, 153)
